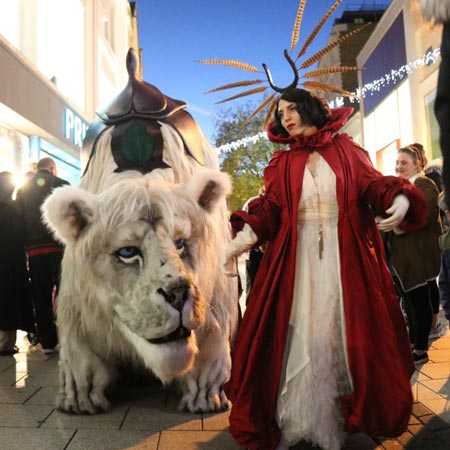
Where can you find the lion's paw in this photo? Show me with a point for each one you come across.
(204, 402)
(94, 404)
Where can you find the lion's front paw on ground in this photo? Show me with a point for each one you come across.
(209, 402)
(82, 404)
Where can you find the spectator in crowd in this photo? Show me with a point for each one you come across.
(415, 256)
(44, 253)
(434, 173)
(16, 311)
(444, 274)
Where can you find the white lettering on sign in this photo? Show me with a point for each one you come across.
(74, 128)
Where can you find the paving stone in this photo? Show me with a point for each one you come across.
(37, 366)
(15, 395)
(444, 435)
(434, 423)
(114, 440)
(438, 406)
(161, 419)
(424, 393)
(392, 444)
(7, 362)
(441, 386)
(439, 355)
(110, 420)
(442, 343)
(40, 379)
(413, 420)
(30, 416)
(34, 439)
(148, 397)
(420, 410)
(405, 438)
(431, 444)
(216, 421)
(197, 440)
(436, 370)
(43, 396)
(10, 377)
(421, 432)
(419, 376)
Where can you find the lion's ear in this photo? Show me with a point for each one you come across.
(209, 187)
(67, 212)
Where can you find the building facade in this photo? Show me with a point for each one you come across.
(399, 79)
(60, 60)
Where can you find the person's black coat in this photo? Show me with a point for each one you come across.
(16, 311)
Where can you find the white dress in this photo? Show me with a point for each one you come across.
(314, 372)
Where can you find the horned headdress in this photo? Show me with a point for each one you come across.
(303, 77)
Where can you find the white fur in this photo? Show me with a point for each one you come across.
(436, 10)
(242, 242)
(109, 306)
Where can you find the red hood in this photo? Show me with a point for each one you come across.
(339, 117)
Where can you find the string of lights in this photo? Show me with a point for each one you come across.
(392, 77)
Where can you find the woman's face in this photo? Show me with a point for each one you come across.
(291, 120)
(405, 165)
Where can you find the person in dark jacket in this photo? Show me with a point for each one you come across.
(44, 253)
(444, 274)
(16, 310)
(416, 255)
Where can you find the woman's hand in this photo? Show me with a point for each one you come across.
(243, 242)
(397, 213)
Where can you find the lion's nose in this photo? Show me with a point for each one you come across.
(176, 296)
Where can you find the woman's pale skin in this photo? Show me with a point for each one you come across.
(292, 123)
(405, 166)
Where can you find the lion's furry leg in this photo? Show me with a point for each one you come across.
(203, 386)
(83, 378)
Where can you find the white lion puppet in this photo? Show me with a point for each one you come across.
(140, 275)
(139, 285)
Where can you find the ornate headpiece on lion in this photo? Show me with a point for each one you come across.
(141, 282)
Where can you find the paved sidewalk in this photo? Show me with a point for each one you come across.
(146, 417)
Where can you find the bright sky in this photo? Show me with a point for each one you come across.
(174, 33)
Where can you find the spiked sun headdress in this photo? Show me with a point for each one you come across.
(309, 77)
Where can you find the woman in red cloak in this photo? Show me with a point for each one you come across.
(322, 349)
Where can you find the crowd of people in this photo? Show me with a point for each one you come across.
(30, 261)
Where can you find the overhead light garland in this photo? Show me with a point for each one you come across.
(392, 77)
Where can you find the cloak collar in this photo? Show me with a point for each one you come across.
(324, 135)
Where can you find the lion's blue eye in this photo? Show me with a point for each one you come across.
(129, 254)
(179, 244)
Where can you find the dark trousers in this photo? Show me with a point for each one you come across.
(433, 291)
(419, 314)
(45, 271)
(251, 266)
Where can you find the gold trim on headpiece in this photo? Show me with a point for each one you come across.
(307, 83)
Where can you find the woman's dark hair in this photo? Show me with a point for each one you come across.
(417, 153)
(313, 110)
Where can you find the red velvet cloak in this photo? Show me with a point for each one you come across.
(378, 348)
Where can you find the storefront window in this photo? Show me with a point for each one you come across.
(432, 125)
(387, 157)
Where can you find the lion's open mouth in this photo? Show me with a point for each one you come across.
(180, 333)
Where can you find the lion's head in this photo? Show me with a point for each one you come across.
(137, 266)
